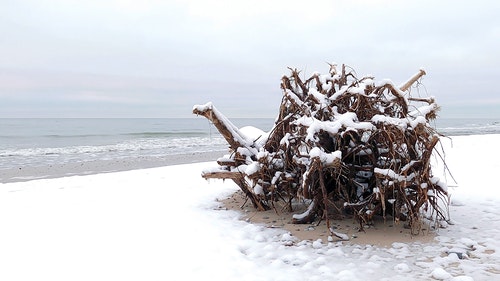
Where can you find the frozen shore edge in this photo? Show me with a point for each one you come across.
(19, 174)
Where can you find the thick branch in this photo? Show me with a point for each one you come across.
(229, 131)
(412, 80)
(223, 175)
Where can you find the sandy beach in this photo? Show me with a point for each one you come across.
(169, 223)
(381, 233)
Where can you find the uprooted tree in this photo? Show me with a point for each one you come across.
(342, 145)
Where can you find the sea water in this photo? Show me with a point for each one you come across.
(39, 142)
(467, 126)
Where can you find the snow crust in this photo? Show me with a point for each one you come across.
(348, 120)
(166, 224)
(203, 107)
(251, 133)
(325, 158)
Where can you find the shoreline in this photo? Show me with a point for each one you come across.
(21, 174)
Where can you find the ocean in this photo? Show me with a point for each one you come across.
(48, 141)
(42, 142)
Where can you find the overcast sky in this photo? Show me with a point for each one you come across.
(146, 58)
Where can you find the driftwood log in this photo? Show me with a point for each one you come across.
(342, 145)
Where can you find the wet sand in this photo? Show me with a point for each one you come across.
(16, 174)
(381, 234)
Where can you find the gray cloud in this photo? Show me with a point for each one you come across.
(159, 58)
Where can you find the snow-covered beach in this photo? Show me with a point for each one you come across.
(335, 109)
(168, 223)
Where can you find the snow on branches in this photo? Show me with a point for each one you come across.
(342, 144)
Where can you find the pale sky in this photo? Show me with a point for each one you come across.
(147, 58)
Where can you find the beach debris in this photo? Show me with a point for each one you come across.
(344, 146)
(340, 235)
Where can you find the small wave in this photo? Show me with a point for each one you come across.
(464, 126)
(61, 136)
(128, 148)
(472, 130)
(111, 135)
(167, 134)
